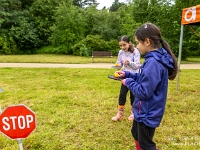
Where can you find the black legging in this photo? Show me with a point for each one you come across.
(144, 135)
(122, 96)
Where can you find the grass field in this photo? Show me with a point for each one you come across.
(74, 108)
(66, 59)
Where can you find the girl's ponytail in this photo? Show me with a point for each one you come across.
(131, 48)
(171, 72)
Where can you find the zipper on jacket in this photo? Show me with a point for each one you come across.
(139, 104)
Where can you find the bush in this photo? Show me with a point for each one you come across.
(76, 48)
(7, 45)
(25, 35)
(52, 50)
(94, 43)
(84, 51)
(113, 46)
(90, 43)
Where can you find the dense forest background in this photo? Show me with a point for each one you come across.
(77, 27)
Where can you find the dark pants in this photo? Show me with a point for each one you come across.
(122, 96)
(144, 135)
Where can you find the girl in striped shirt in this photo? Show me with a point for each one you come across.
(129, 60)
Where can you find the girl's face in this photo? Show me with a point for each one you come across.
(143, 47)
(124, 45)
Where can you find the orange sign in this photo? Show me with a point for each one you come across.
(191, 15)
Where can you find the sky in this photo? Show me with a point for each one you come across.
(106, 3)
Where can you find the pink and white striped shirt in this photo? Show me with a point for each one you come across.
(134, 59)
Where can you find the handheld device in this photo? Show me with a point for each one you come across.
(114, 78)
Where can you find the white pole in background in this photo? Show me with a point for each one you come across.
(179, 57)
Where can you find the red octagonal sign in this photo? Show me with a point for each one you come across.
(17, 122)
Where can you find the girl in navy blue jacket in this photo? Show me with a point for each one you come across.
(150, 85)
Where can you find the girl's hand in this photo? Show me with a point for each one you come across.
(124, 82)
(118, 64)
(127, 62)
(121, 73)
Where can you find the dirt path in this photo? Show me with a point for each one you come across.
(91, 65)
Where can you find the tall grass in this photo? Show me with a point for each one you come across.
(74, 108)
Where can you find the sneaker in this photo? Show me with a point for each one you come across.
(119, 115)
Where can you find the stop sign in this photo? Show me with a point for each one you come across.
(17, 122)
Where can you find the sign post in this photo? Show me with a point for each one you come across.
(191, 16)
(17, 122)
(20, 144)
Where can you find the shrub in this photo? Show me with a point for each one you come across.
(25, 35)
(7, 45)
(90, 43)
(52, 50)
(84, 51)
(94, 43)
(113, 46)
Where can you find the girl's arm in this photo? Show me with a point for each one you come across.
(119, 61)
(129, 74)
(136, 63)
(149, 80)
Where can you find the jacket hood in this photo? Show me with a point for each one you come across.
(162, 56)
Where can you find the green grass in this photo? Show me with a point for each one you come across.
(50, 58)
(194, 59)
(74, 108)
(66, 59)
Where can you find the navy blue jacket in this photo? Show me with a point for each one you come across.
(150, 86)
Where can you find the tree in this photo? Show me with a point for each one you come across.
(102, 22)
(84, 3)
(25, 34)
(128, 25)
(69, 27)
(43, 15)
(115, 6)
(9, 12)
(26, 4)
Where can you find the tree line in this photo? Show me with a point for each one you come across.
(77, 27)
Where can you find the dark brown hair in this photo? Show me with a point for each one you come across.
(126, 39)
(152, 32)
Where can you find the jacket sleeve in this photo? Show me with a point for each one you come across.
(131, 75)
(149, 79)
